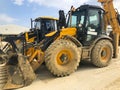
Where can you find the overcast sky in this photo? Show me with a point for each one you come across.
(20, 11)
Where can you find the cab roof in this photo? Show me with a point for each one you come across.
(46, 17)
(87, 6)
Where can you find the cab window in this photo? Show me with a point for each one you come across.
(93, 19)
(77, 18)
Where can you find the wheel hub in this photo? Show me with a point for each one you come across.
(63, 57)
(105, 54)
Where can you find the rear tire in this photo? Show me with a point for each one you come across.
(62, 57)
(102, 53)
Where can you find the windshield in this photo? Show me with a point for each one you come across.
(48, 25)
(77, 18)
(37, 24)
(45, 25)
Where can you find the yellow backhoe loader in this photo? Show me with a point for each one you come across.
(82, 37)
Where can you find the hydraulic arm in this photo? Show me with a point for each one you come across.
(110, 17)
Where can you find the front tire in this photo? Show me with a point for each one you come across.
(3, 70)
(62, 57)
(102, 53)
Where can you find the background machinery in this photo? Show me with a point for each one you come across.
(41, 26)
(17, 44)
(82, 37)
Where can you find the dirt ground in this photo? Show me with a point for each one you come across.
(87, 77)
(115, 85)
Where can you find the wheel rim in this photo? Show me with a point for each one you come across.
(64, 57)
(105, 53)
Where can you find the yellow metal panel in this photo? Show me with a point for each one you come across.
(68, 31)
(50, 34)
(64, 32)
(31, 40)
(47, 17)
(26, 36)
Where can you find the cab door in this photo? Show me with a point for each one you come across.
(93, 26)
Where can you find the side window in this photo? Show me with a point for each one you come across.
(93, 20)
(50, 25)
(73, 21)
(37, 25)
(55, 23)
(82, 19)
(77, 18)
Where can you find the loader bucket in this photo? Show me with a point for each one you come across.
(19, 75)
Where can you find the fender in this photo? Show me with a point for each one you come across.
(102, 37)
(88, 50)
(73, 39)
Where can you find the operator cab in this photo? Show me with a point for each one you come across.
(89, 23)
(44, 25)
